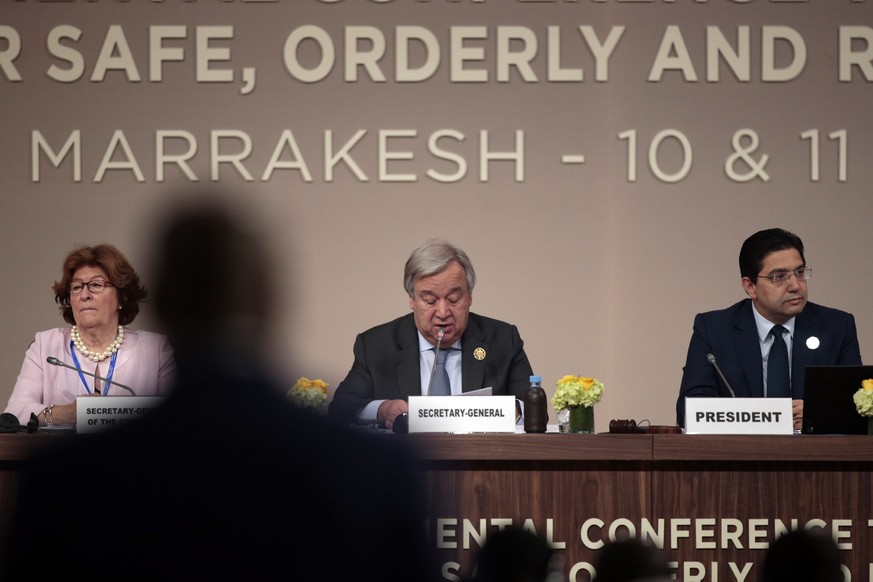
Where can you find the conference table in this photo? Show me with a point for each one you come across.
(712, 502)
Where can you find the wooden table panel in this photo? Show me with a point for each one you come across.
(825, 449)
(552, 497)
(684, 490)
(532, 447)
(761, 500)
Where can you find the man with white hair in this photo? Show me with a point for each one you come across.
(395, 360)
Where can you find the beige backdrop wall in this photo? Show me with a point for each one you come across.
(356, 129)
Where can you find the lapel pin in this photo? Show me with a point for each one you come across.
(812, 342)
(479, 353)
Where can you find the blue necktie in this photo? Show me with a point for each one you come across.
(441, 385)
(778, 376)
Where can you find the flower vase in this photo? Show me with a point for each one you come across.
(582, 419)
(870, 425)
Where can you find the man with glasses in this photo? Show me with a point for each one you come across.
(764, 343)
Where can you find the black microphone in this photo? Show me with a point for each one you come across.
(9, 423)
(56, 362)
(440, 333)
(711, 359)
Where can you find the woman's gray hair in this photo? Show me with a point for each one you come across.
(433, 257)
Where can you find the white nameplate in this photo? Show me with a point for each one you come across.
(96, 413)
(462, 414)
(738, 416)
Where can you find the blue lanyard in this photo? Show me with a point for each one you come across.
(82, 376)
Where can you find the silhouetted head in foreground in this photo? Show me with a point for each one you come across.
(629, 560)
(513, 555)
(212, 288)
(803, 556)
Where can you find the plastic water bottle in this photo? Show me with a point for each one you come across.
(536, 415)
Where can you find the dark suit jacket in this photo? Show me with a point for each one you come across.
(732, 337)
(387, 360)
(225, 481)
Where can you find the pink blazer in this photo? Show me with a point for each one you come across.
(145, 363)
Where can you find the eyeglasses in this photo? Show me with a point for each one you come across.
(95, 286)
(780, 279)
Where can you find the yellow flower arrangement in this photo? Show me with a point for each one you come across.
(864, 398)
(308, 393)
(577, 391)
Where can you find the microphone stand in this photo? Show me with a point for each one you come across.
(56, 362)
(440, 333)
(711, 359)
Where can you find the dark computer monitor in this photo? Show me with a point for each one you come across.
(828, 407)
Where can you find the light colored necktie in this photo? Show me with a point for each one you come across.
(441, 385)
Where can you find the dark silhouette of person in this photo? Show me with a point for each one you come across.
(226, 480)
(513, 554)
(803, 556)
(629, 560)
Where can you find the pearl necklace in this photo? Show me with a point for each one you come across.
(97, 356)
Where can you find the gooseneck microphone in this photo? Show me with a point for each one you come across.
(440, 333)
(711, 359)
(56, 362)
